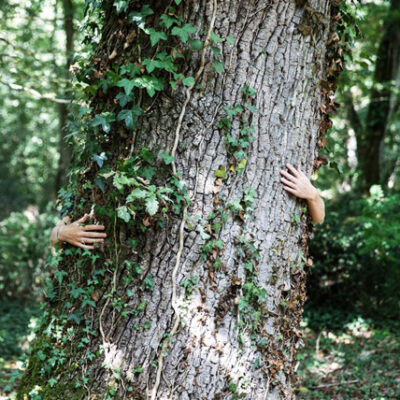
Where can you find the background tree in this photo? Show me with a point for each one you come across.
(34, 77)
(68, 8)
(372, 130)
(194, 108)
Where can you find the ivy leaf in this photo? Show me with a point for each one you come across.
(149, 282)
(252, 108)
(147, 324)
(230, 39)
(136, 194)
(167, 21)
(59, 274)
(148, 173)
(99, 158)
(120, 181)
(233, 111)
(139, 16)
(219, 66)
(52, 382)
(177, 2)
(156, 36)
(128, 117)
(166, 157)
(75, 317)
(76, 292)
(147, 155)
(123, 99)
(247, 90)
(106, 83)
(121, 6)
(131, 69)
(151, 205)
(216, 50)
(220, 173)
(107, 174)
(242, 164)
(104, 120)
(215, 38)
(151, 65)
(195, 44)
(89, 302)
(188, 81)
(127, 84)
(183, 32)
(99, 182)
(150, 83)
(166, 62)
(123, 213)
(137, 110)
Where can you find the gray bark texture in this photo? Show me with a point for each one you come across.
(205, 358)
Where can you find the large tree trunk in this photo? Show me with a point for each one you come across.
(180, 315)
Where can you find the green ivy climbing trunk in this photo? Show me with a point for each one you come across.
(198, 293)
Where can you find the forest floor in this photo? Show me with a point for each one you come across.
(356, 361)
(359, 360)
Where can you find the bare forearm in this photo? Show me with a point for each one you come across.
(53, 236)
(316, 207)
(297, 183)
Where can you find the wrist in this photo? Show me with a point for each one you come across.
(60, 234)
(313, 195)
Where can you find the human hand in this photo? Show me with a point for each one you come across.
(78, 234)
(298, 184)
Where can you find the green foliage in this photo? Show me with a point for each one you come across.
(183, 32)
(133, 180)
(362, 358)
(32, 64)
(189, 284)
(356, 250)
(24, 242)
(16, 322)
(360, 36)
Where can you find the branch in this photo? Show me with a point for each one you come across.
(36, 94)
(21, 48)
(334, 384)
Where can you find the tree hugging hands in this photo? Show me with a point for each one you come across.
(86, 236)
(77, 234)
(297, 183)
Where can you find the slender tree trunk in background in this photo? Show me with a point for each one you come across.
(206, 296)
(64, 149)
(383, 101)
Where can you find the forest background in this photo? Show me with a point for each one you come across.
(351, 319)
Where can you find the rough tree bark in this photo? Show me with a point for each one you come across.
(280, 51)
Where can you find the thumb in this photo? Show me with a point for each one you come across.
(298, 167)
(83, 219)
